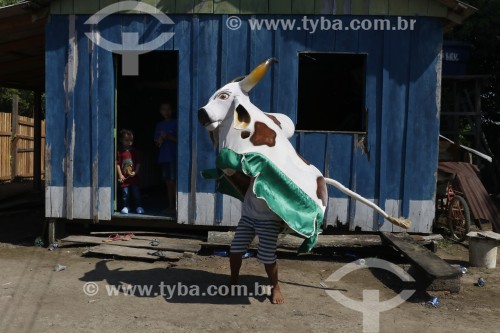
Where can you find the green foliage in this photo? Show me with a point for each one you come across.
(25, 101)
(4, 3)
(482, 30)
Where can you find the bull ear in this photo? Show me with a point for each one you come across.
(256, 75)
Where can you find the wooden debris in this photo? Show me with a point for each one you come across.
(170, 244)
(129, 252)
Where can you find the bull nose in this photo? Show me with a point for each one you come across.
(203, 117)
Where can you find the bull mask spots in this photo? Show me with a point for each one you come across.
(263, 135)
(274, 119)
(321, 190)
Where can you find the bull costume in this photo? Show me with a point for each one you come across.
(256, 156)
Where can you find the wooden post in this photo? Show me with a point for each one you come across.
(13, 146)
(37, 141)
(477, 117)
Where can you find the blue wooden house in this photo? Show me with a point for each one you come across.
(361, 80)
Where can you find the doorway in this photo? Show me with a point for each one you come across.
(138, 102)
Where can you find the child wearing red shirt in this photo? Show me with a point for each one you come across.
(128, 163)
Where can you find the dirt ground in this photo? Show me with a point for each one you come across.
(35, 298)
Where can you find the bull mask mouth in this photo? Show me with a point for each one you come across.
(241, 117)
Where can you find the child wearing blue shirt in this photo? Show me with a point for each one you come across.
(165, 138)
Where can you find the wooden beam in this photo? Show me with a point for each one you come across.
(426, 260)
(13, 147)
(24, 62)
(37, 133)
(23, 74)
(18, 23)
(294, 242)
(25, 43)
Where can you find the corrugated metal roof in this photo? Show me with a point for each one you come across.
(480, 203)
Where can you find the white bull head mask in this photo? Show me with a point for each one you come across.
(229, 107)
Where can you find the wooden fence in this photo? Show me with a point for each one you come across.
(16, 146)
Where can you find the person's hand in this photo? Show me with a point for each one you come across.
(121, 178)
(132, 173)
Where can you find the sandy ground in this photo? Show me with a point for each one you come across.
(35, 298)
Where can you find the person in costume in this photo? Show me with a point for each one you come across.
(257, 163)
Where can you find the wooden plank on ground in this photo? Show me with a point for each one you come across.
(291, 241)
(129, 252)
(171, 244)
(151, 234)
(430, 263)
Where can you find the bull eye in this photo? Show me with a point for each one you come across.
(223, 96)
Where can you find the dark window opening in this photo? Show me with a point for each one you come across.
(138, 100)
(331, 92)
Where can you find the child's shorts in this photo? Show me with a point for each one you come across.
(266, 230)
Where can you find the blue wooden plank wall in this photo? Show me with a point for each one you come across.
(396, 170)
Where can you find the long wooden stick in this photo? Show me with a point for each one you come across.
(404, 223)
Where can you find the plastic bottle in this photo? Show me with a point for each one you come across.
(59, 267)
(222, 253)
(53, 246)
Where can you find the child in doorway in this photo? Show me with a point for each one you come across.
(165, 137)
(128, 164)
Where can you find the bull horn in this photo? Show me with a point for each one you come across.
(256, 75)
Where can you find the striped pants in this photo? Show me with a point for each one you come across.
(267, 231)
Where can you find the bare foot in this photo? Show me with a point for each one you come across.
(276, 296)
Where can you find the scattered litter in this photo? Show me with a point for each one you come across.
(360, 262)
(460, 268)
(158, 253)
(221, 253)
(39, 242)
(6, 284)
(59, 267)
(53, 246)
(434, 302)
(323, 285)
(154, 242)
(117, 237)
(247, 254)
(481, 282)
(92, 300)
